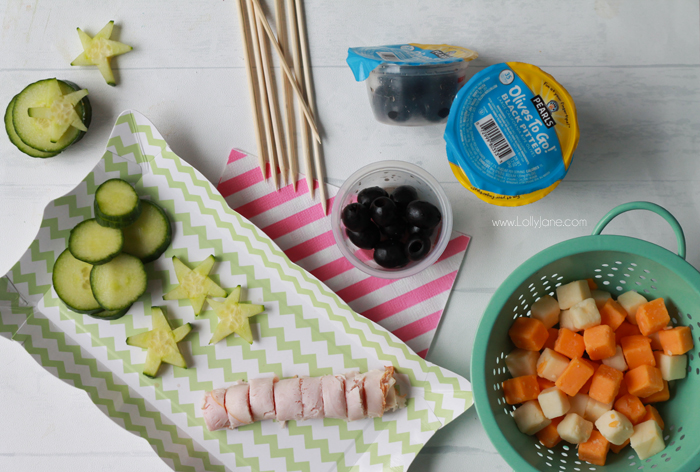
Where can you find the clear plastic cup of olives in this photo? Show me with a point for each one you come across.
(389, 175)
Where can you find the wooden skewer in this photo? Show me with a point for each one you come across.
(318, 161)
(251, 87)
(287, 91)
(261, 88)
(285, 67)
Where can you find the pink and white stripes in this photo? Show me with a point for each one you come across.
(410, 308)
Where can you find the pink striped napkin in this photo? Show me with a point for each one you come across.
(410, 308)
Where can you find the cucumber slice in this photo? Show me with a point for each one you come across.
(118, 283)
(150, 235)
(116, 204)
(14, 139)
(161, 343)
(71, 280)
(194, 284)
(110, 314)
(66, 109)
(98, 50)
(233, 317)
(95, 244)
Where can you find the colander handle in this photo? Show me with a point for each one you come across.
(653, 207)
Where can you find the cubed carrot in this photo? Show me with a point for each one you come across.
(595, 450)
(623, 390)
(617, 449)
(653, 414)
(549, 437)
(600, 342)
(521, 389)
(591, 284)
(570, 344)
(552, 339)
(574, 376)
(644, 380)
(658, 397)
(626, 329)
(631, 407)
(652, 317)
(606, 384)
(612, 314)
(544, 383)
(676, 341)
(637, 351)
(528, 333)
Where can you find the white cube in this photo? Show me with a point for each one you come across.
(570, 294)
(615, 427)
(566, 321)
(546, 309)
(574, 429)
(529, 418)
(554, 402)
(521, 362)
(617, 361)
(595, 409)
(585, 314)
(647, 439)
(578, 404)
(551, 365)
(672, 367)
(631, 301)
(600, 297)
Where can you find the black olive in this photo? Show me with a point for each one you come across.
(395, 230)
(417, 247)
(390, 254)
(356, 217)
(438, 100)
(369, 194)
(383, 211)
(418, 231)
(368, 238)
(403, 195)
(423, 214)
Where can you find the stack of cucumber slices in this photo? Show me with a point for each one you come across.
(47, 117)
(101, 273)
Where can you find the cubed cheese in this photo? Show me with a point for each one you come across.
(578, 404)
(672, 367)
(647, 439)
(554, 402)
(617, 361)
(574, 429)
(547, 310)
(521, 362)
(585, 314)
(530, 418)
(570, 294)
(615, 427)
(631, 301)
(600, 297)
(566, 321)
(551, 364)
(594, 409)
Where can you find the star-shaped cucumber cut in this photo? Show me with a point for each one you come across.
(161, 343)
(233, 317)
(60, 114)
(98, 51)
(194, 284)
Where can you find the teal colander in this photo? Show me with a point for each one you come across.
(619, 264)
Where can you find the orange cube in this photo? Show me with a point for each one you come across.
(655, 342)
(652, 317)
(587, 386)
(521, 389)
(623, 390)
(606, 384)
(657, 397)
(544, 383)
(612, 314)
(644, 380)
(631, 407)
(528, 333)
(617, 449)
(676, 341)
(624, 330)
(600, 342)
(552, 339)
(549, 437)
(653, 414)
(637, 351)
(569, 344)
(591, 284)
(595, 450)
(574, 376)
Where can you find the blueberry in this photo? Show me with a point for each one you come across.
(390, 254)
(369, 194)
(403, 195)
(423, 214)
(417, 247)
(356, 217)
(368, 238)
(418, 231)
(383, 211)
(395, 230)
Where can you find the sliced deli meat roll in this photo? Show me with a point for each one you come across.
(214, 411)
(377, 385)
(333, 388)
(262, 399)
(311, 398)
(355, 395)
(237, 405)
(288, 399)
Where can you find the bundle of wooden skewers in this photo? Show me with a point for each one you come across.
(277, 145)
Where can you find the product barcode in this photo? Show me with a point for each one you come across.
(387, 56)
(495, 140)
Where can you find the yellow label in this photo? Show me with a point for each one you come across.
(452, 51)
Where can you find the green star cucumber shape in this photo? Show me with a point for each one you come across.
(60, 114)
(98, 51)
(233, 317)
(161, 343)
(194, 284)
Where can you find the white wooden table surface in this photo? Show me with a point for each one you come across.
(633, 69)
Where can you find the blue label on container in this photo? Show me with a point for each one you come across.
(501, 133)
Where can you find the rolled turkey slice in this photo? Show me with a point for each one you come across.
(377, 384)
(311, 398)
(262, 399)
(288, 399)
(354, 395)
(237, 405)
(333, 390)
(214, 411)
